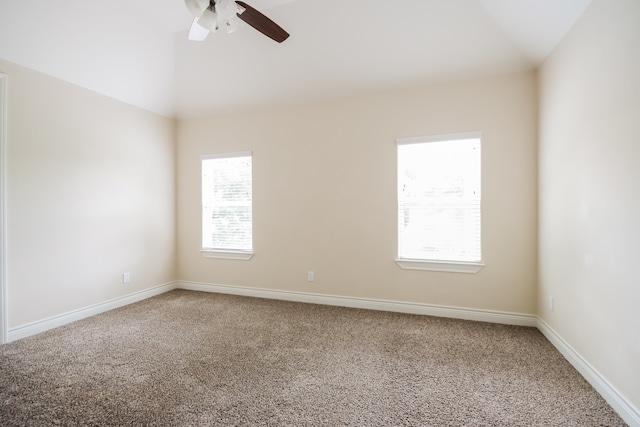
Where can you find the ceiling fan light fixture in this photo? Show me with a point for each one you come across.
(227, 11)
(209, 20)
(197, 33)
(233, 25)
(196, 7)
(229, 15)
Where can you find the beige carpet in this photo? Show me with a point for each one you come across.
(195, 359)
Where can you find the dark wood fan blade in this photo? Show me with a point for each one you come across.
(261, 23)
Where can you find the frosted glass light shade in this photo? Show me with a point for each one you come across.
(227, 15)
(233, 25)
(208, 20)
(196, 32)
(196, 7)
(226, 9)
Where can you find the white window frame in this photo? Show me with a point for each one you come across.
(232, 254)
(434, 264)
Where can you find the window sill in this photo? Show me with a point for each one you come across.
(242, 256)
(447, 266)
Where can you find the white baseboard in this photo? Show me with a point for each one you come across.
(39, 326)
(370, 304)
(62, 319)
(626, 410)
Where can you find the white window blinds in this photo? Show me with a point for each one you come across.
(439, 198)
(227, 202)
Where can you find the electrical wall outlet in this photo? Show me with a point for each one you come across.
(551, 303)
(126, 277)
(310, 276)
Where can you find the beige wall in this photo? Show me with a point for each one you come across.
(325, 194)
(590, 191)
(91, 194)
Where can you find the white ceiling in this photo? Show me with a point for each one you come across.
(137, 51)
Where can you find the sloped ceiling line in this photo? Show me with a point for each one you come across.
(137, 52)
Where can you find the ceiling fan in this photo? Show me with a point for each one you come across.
(214, 15)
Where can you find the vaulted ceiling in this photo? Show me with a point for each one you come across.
(138, 52)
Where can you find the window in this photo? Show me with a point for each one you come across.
(227, 206)
(439, 203)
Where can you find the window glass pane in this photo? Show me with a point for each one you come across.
(439, 200)
(227, 203)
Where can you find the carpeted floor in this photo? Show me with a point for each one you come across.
(196, 359)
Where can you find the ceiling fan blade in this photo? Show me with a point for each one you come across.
(261, 23)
